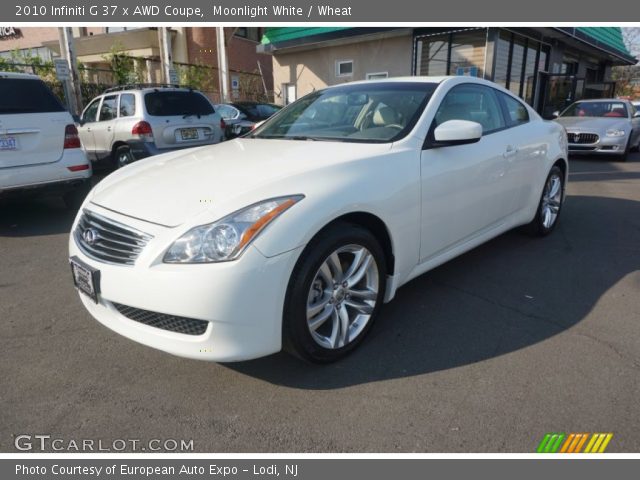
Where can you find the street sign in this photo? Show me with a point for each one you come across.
(173, 76)
(62, 69)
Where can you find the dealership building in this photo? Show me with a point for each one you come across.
(548, 67)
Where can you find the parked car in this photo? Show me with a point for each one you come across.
(636, 104)
(604, 126)
(242, 117)
(131, 122)
(294, 235)
(40, 151)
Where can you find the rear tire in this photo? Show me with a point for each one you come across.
(334, 295)
(550, 205)
(123, 156)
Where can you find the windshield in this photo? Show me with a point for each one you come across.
(366, 112)
(169, 103)
(596, 109)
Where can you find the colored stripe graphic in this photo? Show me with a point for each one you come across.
(574, 443)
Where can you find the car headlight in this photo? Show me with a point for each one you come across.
(615, 132)
(228, 237)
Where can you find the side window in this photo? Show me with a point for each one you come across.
(127, 105)
(517, 113)
(91, 112)
(227, 112)
(108, 108)
(475, 103)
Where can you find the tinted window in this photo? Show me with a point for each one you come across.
(91, 112)
(127, 105)
(475, 103)
(108, 108)
(517, 112)
(258, 111)
(226, 111)
(170, 103)
(19, 95)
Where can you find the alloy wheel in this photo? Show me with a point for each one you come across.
(551, 200)
(343, 296)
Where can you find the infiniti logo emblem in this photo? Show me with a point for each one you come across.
(90, 236)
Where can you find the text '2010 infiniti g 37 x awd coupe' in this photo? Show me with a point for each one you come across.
(294, 236)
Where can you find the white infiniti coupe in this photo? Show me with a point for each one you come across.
(293, 237)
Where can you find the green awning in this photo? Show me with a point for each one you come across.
(609, 36)
(285, 34)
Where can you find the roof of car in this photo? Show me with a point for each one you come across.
(596, 100)
(29, 76)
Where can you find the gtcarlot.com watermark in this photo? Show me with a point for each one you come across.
(49, 443)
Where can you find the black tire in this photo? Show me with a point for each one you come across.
(73, 199)
(537, 227)
(297, 338)
(625, 155)
(122, 156)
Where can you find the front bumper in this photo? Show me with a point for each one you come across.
(604, 146)
(241, 300)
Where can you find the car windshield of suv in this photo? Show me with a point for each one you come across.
(366, 112)
(596, 109)
(170, 103)
(20, 95)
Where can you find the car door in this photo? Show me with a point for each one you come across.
(85, 131)
(104, 129)
(463, 187)
(527, 144)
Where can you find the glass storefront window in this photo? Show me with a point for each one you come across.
(467, 53)
(502, 59)
(517, 59)
(530, 71)
(459, 53)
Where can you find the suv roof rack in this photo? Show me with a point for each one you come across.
(140, 86)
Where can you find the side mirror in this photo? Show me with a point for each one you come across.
(457, 132)
(555, 114)
(77, 119)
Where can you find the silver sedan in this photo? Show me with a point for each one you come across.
(603, 126)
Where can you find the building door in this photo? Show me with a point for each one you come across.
(558, 91)
(289, 90)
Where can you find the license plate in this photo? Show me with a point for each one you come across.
(8, 143)
(85, 278)
(189, 133)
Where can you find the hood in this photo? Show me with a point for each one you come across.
(172, 188)
(592, 124)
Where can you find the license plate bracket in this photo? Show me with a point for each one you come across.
(189, 133)
(85, 278)
(8, 143)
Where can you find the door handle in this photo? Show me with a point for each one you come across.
(88, 129)
(510, 151)
(108, 129)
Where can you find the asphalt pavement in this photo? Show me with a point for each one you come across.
(487, 353)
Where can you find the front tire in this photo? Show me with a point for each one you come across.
(550, 204)
(334, 294)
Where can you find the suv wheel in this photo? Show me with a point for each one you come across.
(123, 156)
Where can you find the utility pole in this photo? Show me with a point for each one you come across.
(223, 68)
(72, 88)
(165, 53)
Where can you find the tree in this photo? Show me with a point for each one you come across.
(627, 78)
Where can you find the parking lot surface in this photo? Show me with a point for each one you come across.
(487, 353)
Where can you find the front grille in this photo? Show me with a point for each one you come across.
(109, 241)
(583, 138)
(187, 326)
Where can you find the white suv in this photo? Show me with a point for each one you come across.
(40, 150)
(131, 122)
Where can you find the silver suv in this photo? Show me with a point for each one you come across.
(131, 122)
